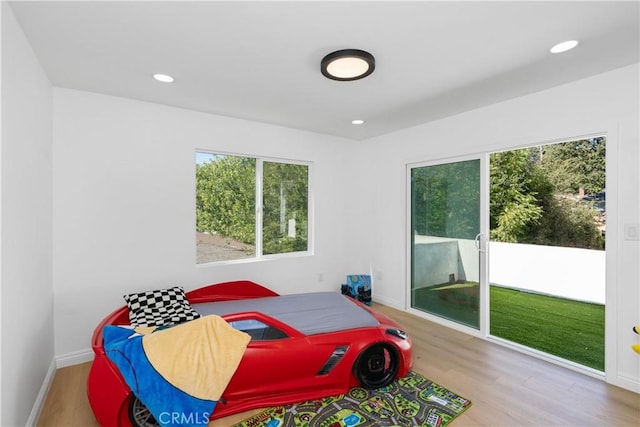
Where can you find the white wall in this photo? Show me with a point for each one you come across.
(26, 240)
(603, 103)
(124, 219)
(438, 257)
(1, 38)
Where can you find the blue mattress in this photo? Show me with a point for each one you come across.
(310, 313)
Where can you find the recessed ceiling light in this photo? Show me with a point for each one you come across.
(164, 78)
(564, 46)
(347, 64)
(357, 122)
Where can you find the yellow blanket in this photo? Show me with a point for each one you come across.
(198, 357)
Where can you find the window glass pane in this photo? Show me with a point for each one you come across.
(285, 205)
(258, 330)
(445, 200)
(547, 269)
(225, 207)
(445, 261)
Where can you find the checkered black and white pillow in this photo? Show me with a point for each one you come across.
(159, 307)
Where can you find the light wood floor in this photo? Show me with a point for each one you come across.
(506, 388)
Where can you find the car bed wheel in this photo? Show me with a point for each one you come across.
(140, 415)
(377, 366)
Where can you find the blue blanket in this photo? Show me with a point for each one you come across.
(178, 373)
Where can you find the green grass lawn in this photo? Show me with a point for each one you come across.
(565, 328)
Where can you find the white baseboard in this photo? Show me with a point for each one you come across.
(42, 395)
(389, 302)
(74, 358)
(630, 384)
(63, 361)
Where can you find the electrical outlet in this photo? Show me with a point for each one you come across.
(632, 232)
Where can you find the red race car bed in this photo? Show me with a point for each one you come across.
(300, 347)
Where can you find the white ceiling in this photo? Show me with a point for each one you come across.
(261, 60)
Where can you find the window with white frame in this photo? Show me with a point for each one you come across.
(249, 207)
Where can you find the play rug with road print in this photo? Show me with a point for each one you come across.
(410, 401)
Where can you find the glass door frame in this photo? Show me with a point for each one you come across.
(483, 159)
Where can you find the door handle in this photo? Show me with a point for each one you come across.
(479, 242)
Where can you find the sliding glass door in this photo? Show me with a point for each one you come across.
(446, 240)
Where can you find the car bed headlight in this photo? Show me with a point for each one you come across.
(397, 333)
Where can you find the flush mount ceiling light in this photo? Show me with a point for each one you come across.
(357, 122)
(564, 46)
(347, 65)
(164, 78)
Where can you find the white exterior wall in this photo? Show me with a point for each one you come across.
(572, 273)
(438, 257)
